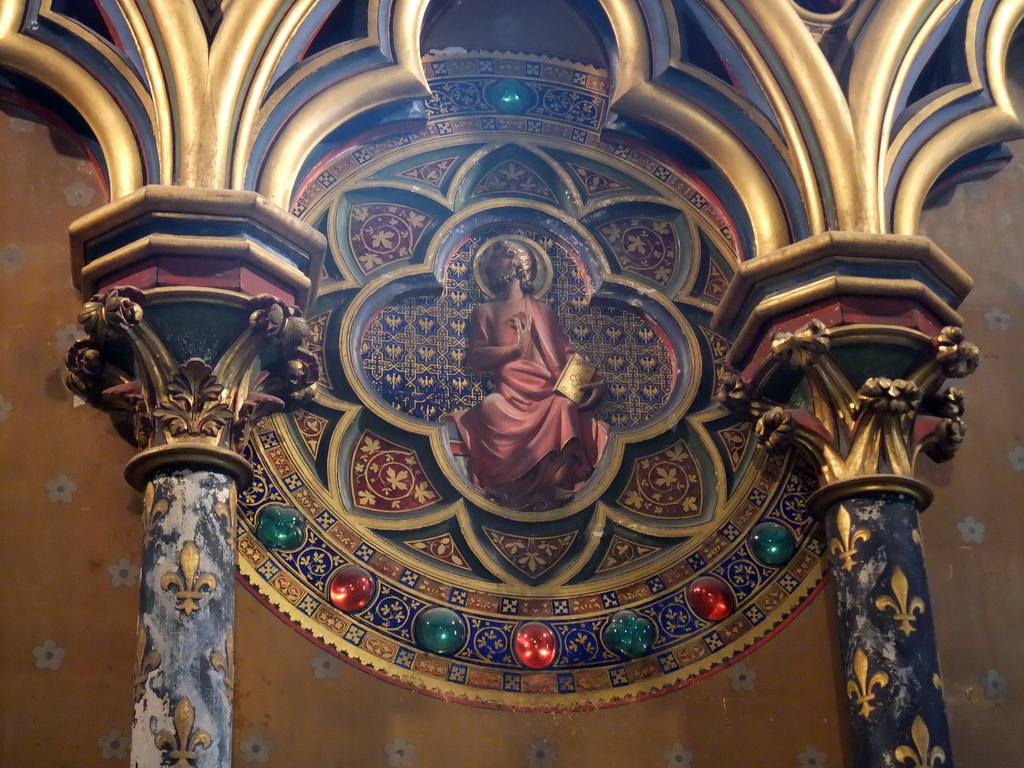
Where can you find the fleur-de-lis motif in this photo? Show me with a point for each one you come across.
(193, 404)
(225, 662)
(920, 755)
(860, 689)
(902, 611)
(846, 544)
(181, 746)
(144, 662)
(152, 510)
(190, 586)
(227, 513)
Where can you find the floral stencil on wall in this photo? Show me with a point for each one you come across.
(997, 320)
(79, 194)
(114, 745)
(61, 489)
(1016, 458)
(541, 754)
(256, 749)
(123, 573)
(68, 334)
(812, 757)
(49, 655)
(995, 685)
(11, 258)
(678, 756)
(325, 666)
(400, 752)
(742, 675)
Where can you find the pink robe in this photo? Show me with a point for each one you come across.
(529, 447)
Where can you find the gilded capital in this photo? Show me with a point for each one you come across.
(850, 369)
(183, 358)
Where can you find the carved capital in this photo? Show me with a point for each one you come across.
(192, 404)
(872, 430)
(850, 367)
(190, 386)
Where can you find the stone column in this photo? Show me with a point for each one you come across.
(193, 332)
(850, 370)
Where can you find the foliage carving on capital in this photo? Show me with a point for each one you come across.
(804, 347)
(198, 401)
(733, 393)
(111, 313)
(957, 356)
(878, 427)
(193, 405)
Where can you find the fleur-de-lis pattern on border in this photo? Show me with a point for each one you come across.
(861, 689)
(189, 586)
(903, 609)
(181, 745)
(845, 545)
(922, 754)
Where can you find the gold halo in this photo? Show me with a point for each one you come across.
(545, 271)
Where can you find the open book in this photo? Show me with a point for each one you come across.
(576, 375)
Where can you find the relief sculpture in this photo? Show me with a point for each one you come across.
(535, 440)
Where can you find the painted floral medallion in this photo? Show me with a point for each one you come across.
(516, 420)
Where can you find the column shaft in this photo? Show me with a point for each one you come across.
(184, 679)
(886, 633)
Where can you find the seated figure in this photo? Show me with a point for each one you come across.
(530, 447)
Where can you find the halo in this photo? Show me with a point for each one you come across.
(545, 271)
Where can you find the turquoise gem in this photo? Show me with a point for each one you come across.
(629, 634)
(440, 630)
(510, 97)
(281, 527)
(772, 543)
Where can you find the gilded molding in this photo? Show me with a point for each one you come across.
(83, 90)
(829, 253)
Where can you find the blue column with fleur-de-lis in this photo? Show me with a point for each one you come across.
(887, 637)
(184, 665)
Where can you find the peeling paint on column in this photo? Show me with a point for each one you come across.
(890, 629)
(186, 639)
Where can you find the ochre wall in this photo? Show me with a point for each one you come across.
(61, 545)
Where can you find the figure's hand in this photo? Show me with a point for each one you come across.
(594, 394)
(521, 323)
